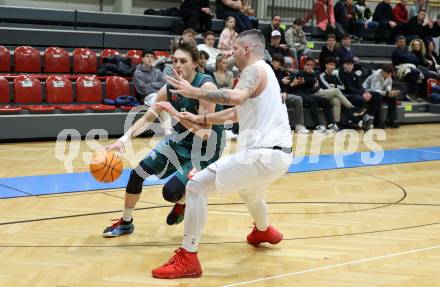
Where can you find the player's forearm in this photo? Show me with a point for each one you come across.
(228, 97)
(141, 125)
(201, 130)
(218, 118)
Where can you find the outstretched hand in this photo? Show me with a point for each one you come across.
(197, 119)
(119, 146)
(168, 107)
(180, 85)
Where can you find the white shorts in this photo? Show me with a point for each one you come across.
(249, 168)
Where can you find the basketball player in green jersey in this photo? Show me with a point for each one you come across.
(189, 146)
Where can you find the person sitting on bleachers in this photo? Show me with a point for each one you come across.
(417, 47)
(226, 8)
(381, 82)
(356, 94)
(201, 65)
(305, 84)
(345, 51)
(208, 47)
(323, 12)
(250, 13)
(296, 39)
(417, 28)
(228, 38)
(400, 16)
(345, 15)
(275, 25)
(328, 50)
(432, 56)
(275, 47)
(147, 80)
(292, 101)
(331, 89)
(196, 14)
(364, 19)
(414, 10)
(406, 65)
(383, 14)
(223, 77)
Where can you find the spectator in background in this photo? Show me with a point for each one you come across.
(364, 19)
(208, 47)
(226, 8)
(250, 13)
(400, 16)
(296, 39)
(380, 81)
(328, 50)
(274, 25)
(196, 14)
(345, 51)
(414, 10)
(383, 14)
(275, 47)
(417, 28)
(406, 65)
(435, 31)
(223, 77)
(305, 84)
(147, 80)
(325, 18)
(432, 56)
(228, 38)
(292, 101)
(345, 15)
(201, 66)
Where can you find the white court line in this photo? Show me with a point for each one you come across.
(332, 266)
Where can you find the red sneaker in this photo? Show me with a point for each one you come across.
(183, 264)
(270, 235)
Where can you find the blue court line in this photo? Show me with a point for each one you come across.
(84, 181)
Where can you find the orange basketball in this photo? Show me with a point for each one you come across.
(106, 166)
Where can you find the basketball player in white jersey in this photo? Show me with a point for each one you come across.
(264, 154)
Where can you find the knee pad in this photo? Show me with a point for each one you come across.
(135, 182)
(173, 190)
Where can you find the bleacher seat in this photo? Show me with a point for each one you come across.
(4, 98)
(27, 90)
(56, 60)
(89, 90)
(431, 83)
(117, 86)
(27, 59)
(5, 60)
(135, 56)
(84, 61)
(109, 53)
(59, 91)
(159, 54)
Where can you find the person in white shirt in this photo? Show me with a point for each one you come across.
(264, 152)
(208, 47)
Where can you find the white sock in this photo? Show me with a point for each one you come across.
(127, 214)
(196, 210)
(255, 203)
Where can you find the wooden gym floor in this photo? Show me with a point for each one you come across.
(368, 226)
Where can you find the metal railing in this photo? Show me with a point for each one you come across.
(289, 10)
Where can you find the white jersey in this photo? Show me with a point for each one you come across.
(263, 120)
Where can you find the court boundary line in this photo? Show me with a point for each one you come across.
(333, 266)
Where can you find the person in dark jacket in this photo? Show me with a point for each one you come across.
(383, 14)
(328, 50)
(196, 14)
(417, 28)
(274, 25)
(147, 80)
(226, 8)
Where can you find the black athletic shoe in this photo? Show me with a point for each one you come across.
(176, 214)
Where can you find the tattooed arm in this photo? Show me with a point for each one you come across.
(253, 79)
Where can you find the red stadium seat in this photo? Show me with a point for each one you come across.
(89, 89)
(27, 59)
(117, 86)
(4, 98)
(108, 53)
(59, 91)
(135, 56)
(56, 60)
(27, 89)
(159, 54)
(84, 61)
(431, 83)
(5, 60)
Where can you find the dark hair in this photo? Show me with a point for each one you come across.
(388, 68)
(309, 59)
(330, 60)
(400, 37)
(422, 10)
(189, 47)
(147, 51)
(189, 30)
(347, 36)
(208, 33)
(348, 60)
(331, 36)
(203, 54)
(298, 21)
(276, 15)
(279, 58)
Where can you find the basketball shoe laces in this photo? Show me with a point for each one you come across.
(117, 223)
(177, 259)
